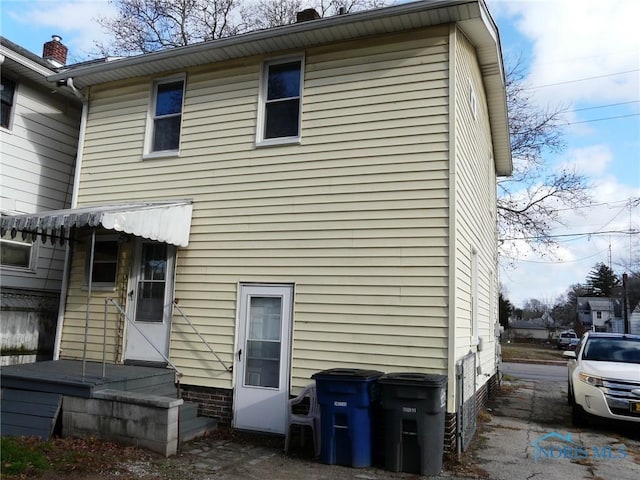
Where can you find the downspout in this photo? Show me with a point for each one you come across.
(74, 203)
(453, 400)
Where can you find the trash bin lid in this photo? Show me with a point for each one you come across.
(414, 379)
(347, 374)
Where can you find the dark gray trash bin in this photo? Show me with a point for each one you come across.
(414, 412)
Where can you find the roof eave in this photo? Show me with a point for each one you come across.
(471, 15)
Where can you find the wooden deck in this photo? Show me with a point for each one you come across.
(65, 377)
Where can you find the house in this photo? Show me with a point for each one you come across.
(39, 128)
(634, 321)
(602, 314)
(533, 329)
(258, 208)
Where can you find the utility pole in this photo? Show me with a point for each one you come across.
(625, 303)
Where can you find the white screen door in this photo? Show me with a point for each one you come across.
(149, 303)
(262, 358)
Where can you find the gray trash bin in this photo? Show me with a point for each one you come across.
(414, 412)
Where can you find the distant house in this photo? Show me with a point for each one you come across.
(39, 130)
(534, 329)
(634, 321)
(601, 314)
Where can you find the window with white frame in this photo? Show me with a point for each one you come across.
(7, 94)
(17, 253)
(105, 262)
(281, 96)
(166, 115)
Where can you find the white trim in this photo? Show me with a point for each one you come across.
(150, 126)
(262, 94)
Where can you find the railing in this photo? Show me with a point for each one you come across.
(227, 368)
(131, 323)
(108, 301)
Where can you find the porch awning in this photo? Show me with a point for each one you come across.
(164, 221)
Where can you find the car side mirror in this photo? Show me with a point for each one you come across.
(569, 354)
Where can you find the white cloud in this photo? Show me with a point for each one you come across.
(581, 39)
(591, 161)
(74, 21)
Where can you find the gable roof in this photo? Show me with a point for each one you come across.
(471, 16)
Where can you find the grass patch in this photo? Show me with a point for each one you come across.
(21, 457)
(30, 457)
(529, 351)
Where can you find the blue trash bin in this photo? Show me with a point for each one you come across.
(347, 397)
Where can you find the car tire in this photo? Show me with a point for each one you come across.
(570, 399)
(578, 415)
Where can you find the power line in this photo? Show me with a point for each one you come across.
(584, 79)
(600, 106)
(602, 119)
(555, 261)
(583, 234)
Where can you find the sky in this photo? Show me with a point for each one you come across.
(581, 56)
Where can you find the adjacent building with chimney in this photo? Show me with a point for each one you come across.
(38, 144)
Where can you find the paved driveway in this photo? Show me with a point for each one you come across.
(530, 436)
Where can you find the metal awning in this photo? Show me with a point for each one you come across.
(164, 221)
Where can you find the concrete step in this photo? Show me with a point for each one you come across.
(191, 425)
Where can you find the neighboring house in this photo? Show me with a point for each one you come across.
(534, 329)
(312, 196)
(634, 321)
(599, 313)
(38, 142)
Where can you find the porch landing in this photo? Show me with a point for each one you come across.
(65, 377)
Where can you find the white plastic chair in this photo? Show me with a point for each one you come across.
(310, 419)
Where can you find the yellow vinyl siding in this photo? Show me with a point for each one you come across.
(475, 212)
(355, 217)
(76, 309)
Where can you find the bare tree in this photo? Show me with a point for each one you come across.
(529, 200)
(143, 26)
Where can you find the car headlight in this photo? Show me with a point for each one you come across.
(590, 379)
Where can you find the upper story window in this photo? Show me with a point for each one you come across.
(280, 107)
(8, 90)
(166, 116)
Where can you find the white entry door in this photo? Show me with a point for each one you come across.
(149, 302)
(262, 360)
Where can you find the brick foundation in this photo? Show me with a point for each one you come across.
(212, 402)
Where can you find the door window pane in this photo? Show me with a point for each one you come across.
(151, 283)
(263, 342)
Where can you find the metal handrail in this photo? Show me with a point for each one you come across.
(227, 368)
(131, 322)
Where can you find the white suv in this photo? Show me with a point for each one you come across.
(604, 377)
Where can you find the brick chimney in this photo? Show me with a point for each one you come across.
(307, 15)
(55, 52)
